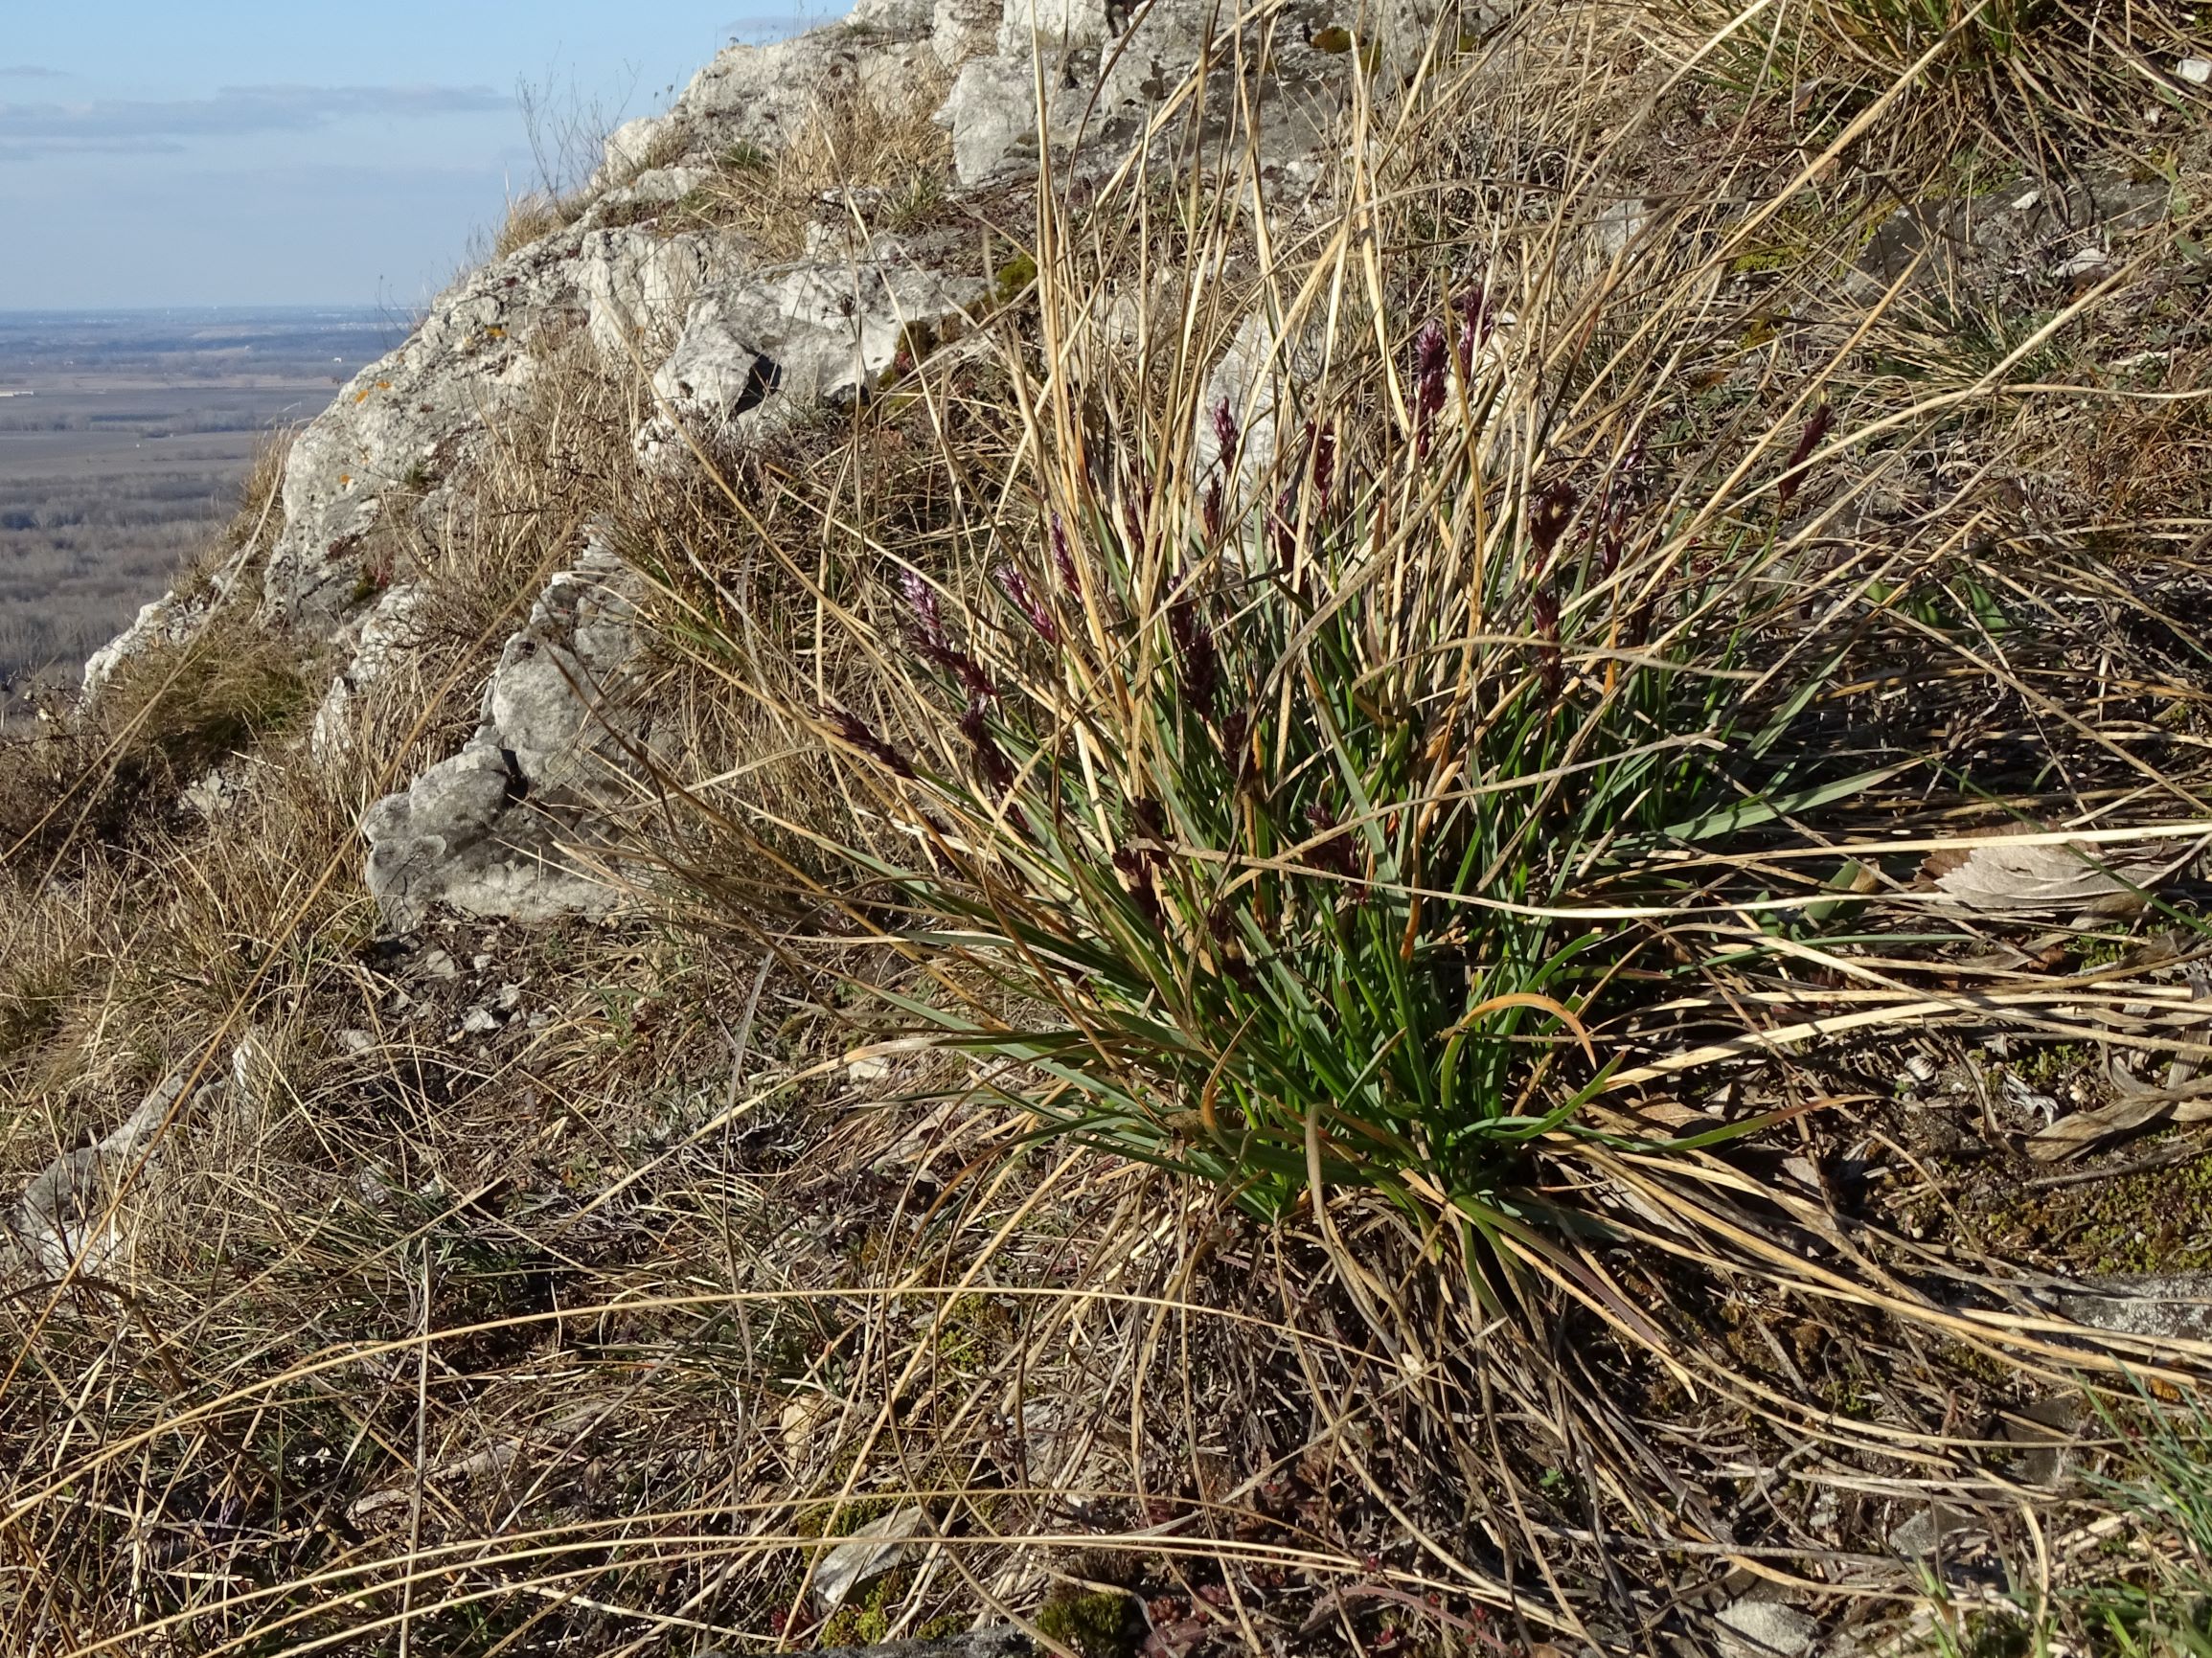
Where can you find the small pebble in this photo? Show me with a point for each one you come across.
(2196, 71)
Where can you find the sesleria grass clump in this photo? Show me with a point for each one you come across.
(1427, 790)
(1276, 796)
(1261, 832)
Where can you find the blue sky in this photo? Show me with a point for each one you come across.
(302, 151)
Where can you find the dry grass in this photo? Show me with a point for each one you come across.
(532, 216)
(585, 1331)
(865, 160)
(2031, 78)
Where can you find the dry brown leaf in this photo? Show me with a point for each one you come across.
(2085, 1128)
(2028, 879)
(2069, 1135)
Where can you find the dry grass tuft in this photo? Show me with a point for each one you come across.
(532, 216)
(2029, 77)
(865, 160)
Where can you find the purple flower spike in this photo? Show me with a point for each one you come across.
(1323, 443)
(1225, 434)
(1335, 854)
(854, 731)
(1545, 607)
(1794, 474)
(1429, 382)
(1549, 515)
(1063, 558)
(926, 619)
(1201, 662)
(1283, 527)
(1474, 326)
(1016, 585)
(988, 755)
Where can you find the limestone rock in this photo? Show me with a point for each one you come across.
(960, 30)
(791, 339)
(1765, 1628)
(60, 1219)
(515, 822)
(1257, 383)
(1107, 70)
(166, 621)
(378, 642)
(633, 146)
(169, 620)
(761, 95)
(2167, 1306)
(635, 286)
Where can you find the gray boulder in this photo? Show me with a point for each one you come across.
(760, 96)
(1106, 73)
(377, 643)
(792, 339)
(521, 823)
(405, 423)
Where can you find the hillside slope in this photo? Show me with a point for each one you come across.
(1174, 833)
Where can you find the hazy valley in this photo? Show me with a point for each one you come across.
(123, 437)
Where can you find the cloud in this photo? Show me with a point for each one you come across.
(31, 72)
(157, 127)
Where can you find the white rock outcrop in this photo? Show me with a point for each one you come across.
(63, 1218)
(790, 340)
(517, 824)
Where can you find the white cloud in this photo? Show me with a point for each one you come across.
(109, 126)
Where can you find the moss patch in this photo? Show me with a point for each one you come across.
(1095, 1623)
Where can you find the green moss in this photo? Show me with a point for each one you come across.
(1014, 276)
(835, 1520)
(868, 1616)
(2156, 1222)
(1095, 1623)
(972, 1334)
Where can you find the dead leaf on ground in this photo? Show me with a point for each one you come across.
(871, 1551)
(2136, 1110)
(2013, 880)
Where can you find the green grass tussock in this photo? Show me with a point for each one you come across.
(1291, 1012)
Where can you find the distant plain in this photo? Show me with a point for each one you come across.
(124, 439)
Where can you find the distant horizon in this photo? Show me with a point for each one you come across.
(257, 154)
(254, 307)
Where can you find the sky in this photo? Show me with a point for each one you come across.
(264, 153)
